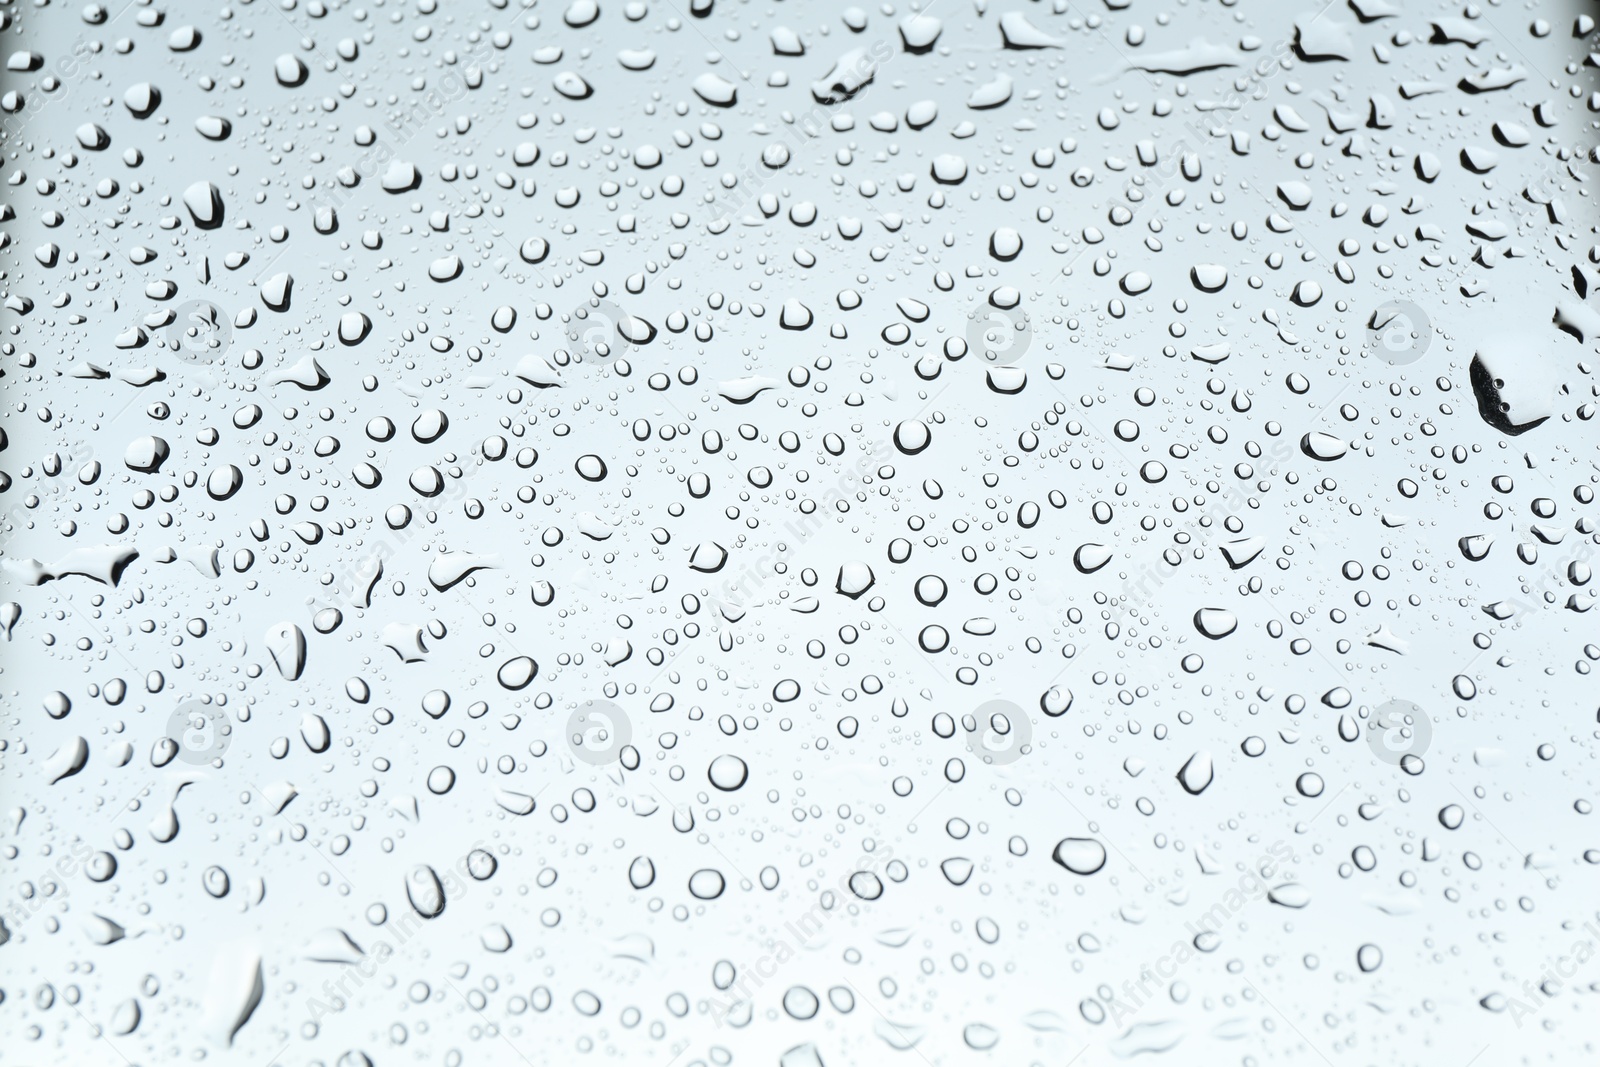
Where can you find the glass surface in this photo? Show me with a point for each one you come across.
(707, 533)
